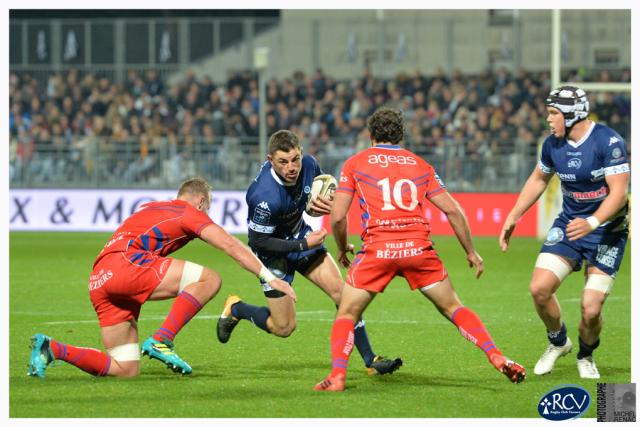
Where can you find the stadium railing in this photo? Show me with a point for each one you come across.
(230, 163)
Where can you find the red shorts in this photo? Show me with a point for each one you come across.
(118, 285)
(379, 262)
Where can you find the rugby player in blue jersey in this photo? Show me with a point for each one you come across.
(285, 243)
(591, 161)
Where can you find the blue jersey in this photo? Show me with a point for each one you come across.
(582, 167)
(276, 208)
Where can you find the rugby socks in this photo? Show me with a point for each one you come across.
(585, 349)
(558, 338)
(362, 343)
(342, 337)
(257, 315)
(472, 328)
(183, 309)
(90, 360)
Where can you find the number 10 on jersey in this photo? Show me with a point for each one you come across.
(398, 192)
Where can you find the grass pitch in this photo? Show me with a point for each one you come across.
(258, 375)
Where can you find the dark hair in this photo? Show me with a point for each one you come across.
(196, 186)
(283, 140)
(386, 125)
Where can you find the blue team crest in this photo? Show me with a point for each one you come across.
(574, 163)
(307, 189)
(554, 236)
(616, 153)
(564, 403)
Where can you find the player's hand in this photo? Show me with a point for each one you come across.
(284, 287)
(316, 238)
(321, 206)
(475, 260)
(343, 259)
(505, 234)
(578, 228)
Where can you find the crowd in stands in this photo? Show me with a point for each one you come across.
(477, 130)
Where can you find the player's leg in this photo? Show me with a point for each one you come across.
(192, 286)
(278, 318)
(598, 284)
(121, 359)
(548, 274)
(445, 299)
(353, 303)
(325, 274)
(282, 319)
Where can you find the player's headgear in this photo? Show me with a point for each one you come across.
(572, 103)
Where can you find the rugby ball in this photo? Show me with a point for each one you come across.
(323, 186)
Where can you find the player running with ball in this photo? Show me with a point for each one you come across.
(286, 244)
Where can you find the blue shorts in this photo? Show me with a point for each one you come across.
(284, 266)
(601, 248)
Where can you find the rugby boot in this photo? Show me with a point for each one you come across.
(226, 321)
(549, 357)
(41, 355)
(587, 368)
(514, 371)
(331, 383)
(163, 351)
(381, 365)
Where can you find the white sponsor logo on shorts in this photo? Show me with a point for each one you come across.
(607, 255)
(96, 281)
(164, 265)
(398, 254)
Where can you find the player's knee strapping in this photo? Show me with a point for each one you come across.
(190, 274)
(599, 282)
(554, 264)
(125, 352)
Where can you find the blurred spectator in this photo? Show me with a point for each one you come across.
(478, 130)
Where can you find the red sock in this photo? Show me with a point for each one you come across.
(472, 328)
(89, 360)
(341, 345)
(183, 309)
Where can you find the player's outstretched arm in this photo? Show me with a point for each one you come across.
(450, 207)
(615, 200)
(531, 191)
(217, 237)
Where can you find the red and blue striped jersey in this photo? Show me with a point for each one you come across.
(391, 185)
(160, 227)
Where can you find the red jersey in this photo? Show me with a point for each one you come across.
(392, 185)
(157, 228)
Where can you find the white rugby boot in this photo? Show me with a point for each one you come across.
(549, 357)
(587, 368)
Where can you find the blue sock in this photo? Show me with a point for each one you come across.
(257, 315)
(585, 349)
(362, 343)
(558, 338)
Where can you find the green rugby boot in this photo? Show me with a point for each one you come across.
(41, 355)
(163, 351)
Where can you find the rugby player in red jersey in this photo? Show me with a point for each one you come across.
(134, 267)
(392, 186)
